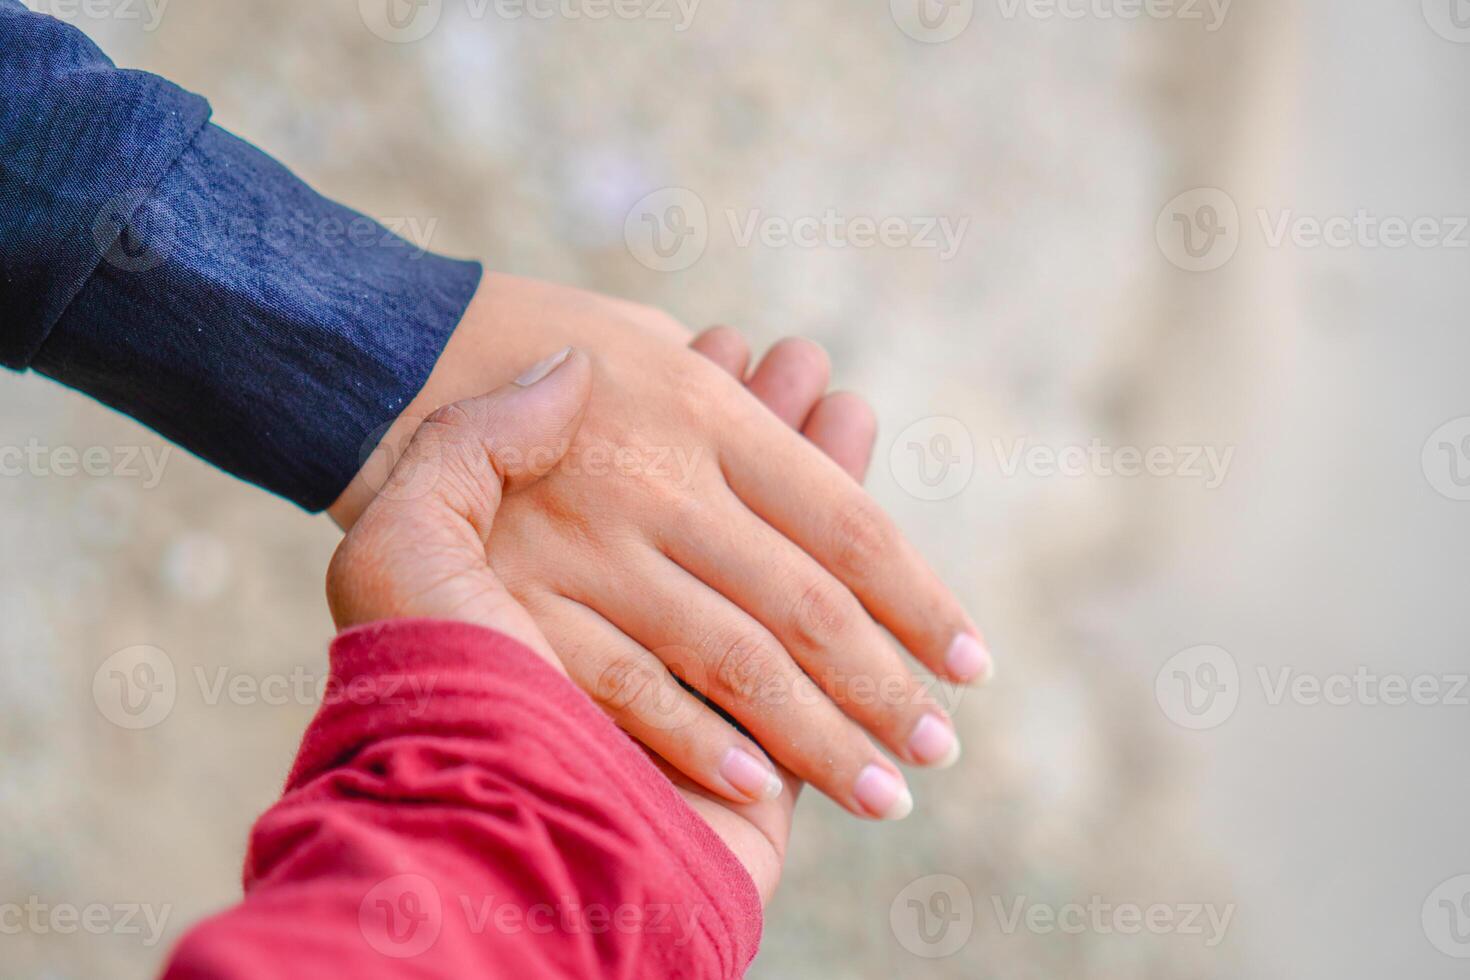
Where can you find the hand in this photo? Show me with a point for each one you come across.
(726, 552)
(790, 381)
(419, 554)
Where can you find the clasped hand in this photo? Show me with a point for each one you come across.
(748, 573)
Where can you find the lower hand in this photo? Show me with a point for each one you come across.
(422, 555)
(758, 573)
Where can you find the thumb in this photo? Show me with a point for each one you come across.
(465, 455)
(419, 548)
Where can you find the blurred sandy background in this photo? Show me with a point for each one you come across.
(1331, 544)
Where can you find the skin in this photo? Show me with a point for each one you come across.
(676, 541)
(423, 554)
(791, 382)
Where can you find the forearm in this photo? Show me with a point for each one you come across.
(512, 321)
(182, 276)
(461, 810)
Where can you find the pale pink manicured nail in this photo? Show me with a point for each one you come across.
(968, 660)
(933, 743)
(541, 369)
(746, 773)
(883, 793)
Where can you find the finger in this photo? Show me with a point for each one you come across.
(851, 536)
(790, 379)
(843, 426)
(822, 626)
(637, 691)
(718, 650)
(466, 454)
(726, 347)
(419, 547)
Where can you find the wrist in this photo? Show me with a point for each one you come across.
(510, 323)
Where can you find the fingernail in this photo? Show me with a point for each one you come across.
(933, 743)
(968, 660)
(883, 793)
(750, 776)
(541, 369)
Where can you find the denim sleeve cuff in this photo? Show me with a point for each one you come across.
(265, 328)
(81, 144)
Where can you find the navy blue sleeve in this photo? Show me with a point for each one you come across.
(180, 275)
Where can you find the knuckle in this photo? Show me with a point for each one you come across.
(811, 355)
(822, 615)
(627, 685)
(745, 666)
(452, 415)
(863, 539)
(355, 574)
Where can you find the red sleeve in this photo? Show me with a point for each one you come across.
(458, 809)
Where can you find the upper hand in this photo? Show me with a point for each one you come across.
(419, 551)
(691, 532)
